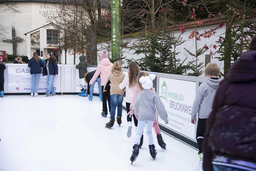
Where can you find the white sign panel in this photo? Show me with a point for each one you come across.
(19, 80)
(177, 97)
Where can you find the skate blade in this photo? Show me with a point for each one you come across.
(108, 127)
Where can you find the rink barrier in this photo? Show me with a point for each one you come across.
(177, 93)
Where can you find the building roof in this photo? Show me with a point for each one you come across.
(39, 28)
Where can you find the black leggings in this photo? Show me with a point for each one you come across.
(1, 87)
(105, 98)
(129, 117)
(201, 126)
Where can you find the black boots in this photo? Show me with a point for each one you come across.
(135, 153)
(152, 151)
(110, 123)
(119, 120)
(161, 141)
(104, 114)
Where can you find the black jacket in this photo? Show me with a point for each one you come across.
(53, 68)
(35, 67)
(2, 68)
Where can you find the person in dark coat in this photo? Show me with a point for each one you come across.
(51, 70)
(230, 138)
(2, 68)
(82, 66)
(87, 77)
(35, 65)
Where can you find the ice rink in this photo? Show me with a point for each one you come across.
(67, 133)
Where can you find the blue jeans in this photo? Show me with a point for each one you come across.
(225, 168)
(34, 82)
(116, 100)
(50, 88)
(98, 80)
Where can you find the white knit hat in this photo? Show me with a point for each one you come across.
(147, 81)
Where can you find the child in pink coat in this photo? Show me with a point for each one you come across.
(103, 69)
(137, 91)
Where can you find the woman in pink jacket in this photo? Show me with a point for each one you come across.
(103, 69)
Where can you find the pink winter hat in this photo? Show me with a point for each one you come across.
(104, 54)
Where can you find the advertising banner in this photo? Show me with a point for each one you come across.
(177, 97)
(19, 80)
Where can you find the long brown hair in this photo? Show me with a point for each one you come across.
(52, 58)
(133, 73)
(140, 75)
(36, 57)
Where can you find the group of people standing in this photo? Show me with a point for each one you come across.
(50, 68)
(116, 87)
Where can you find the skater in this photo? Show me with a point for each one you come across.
(230, 138)
(145, 107)
(203, 102)
(138, 89)
(82, 67)
(103, 69)
(2, 68)
(116, 94)
(130, 83)
(51, 70)
(35, 64)
(87, 77)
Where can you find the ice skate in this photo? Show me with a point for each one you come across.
(82, 92)
(129, 131)
(110, 123)
(160, 141)
(104, 114)
(152, 151)
(135, 153)
(1, 93)
(200, 167)
(119, 120)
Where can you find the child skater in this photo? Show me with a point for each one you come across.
(82, 67)
(145, 107)
(203, 103)
(116, 94)
(87, 78)
(130, 82)
(2, 68)
(138, 89)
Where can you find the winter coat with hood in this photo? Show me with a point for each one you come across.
(116, 78)
(82, 66)
(231, 126)
(103, 69)
(204, 98)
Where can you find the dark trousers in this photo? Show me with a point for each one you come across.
(1, 87)
(129, 117)
(201, 126)
(105, 98)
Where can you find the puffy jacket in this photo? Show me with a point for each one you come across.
(103, 69)
(82, 66)
(53, 68)
(231, 126)
(35, 67)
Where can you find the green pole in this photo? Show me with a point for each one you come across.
(115, 29)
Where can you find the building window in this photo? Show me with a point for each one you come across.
(52, 37)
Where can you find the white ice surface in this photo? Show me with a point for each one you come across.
(67, 133)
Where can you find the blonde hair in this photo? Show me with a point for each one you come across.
(85, 77)
(212, 69)
(140, 75)
(117, 66)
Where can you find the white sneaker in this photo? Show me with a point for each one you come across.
(129, 131)
(31, 94)
(36, 94)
